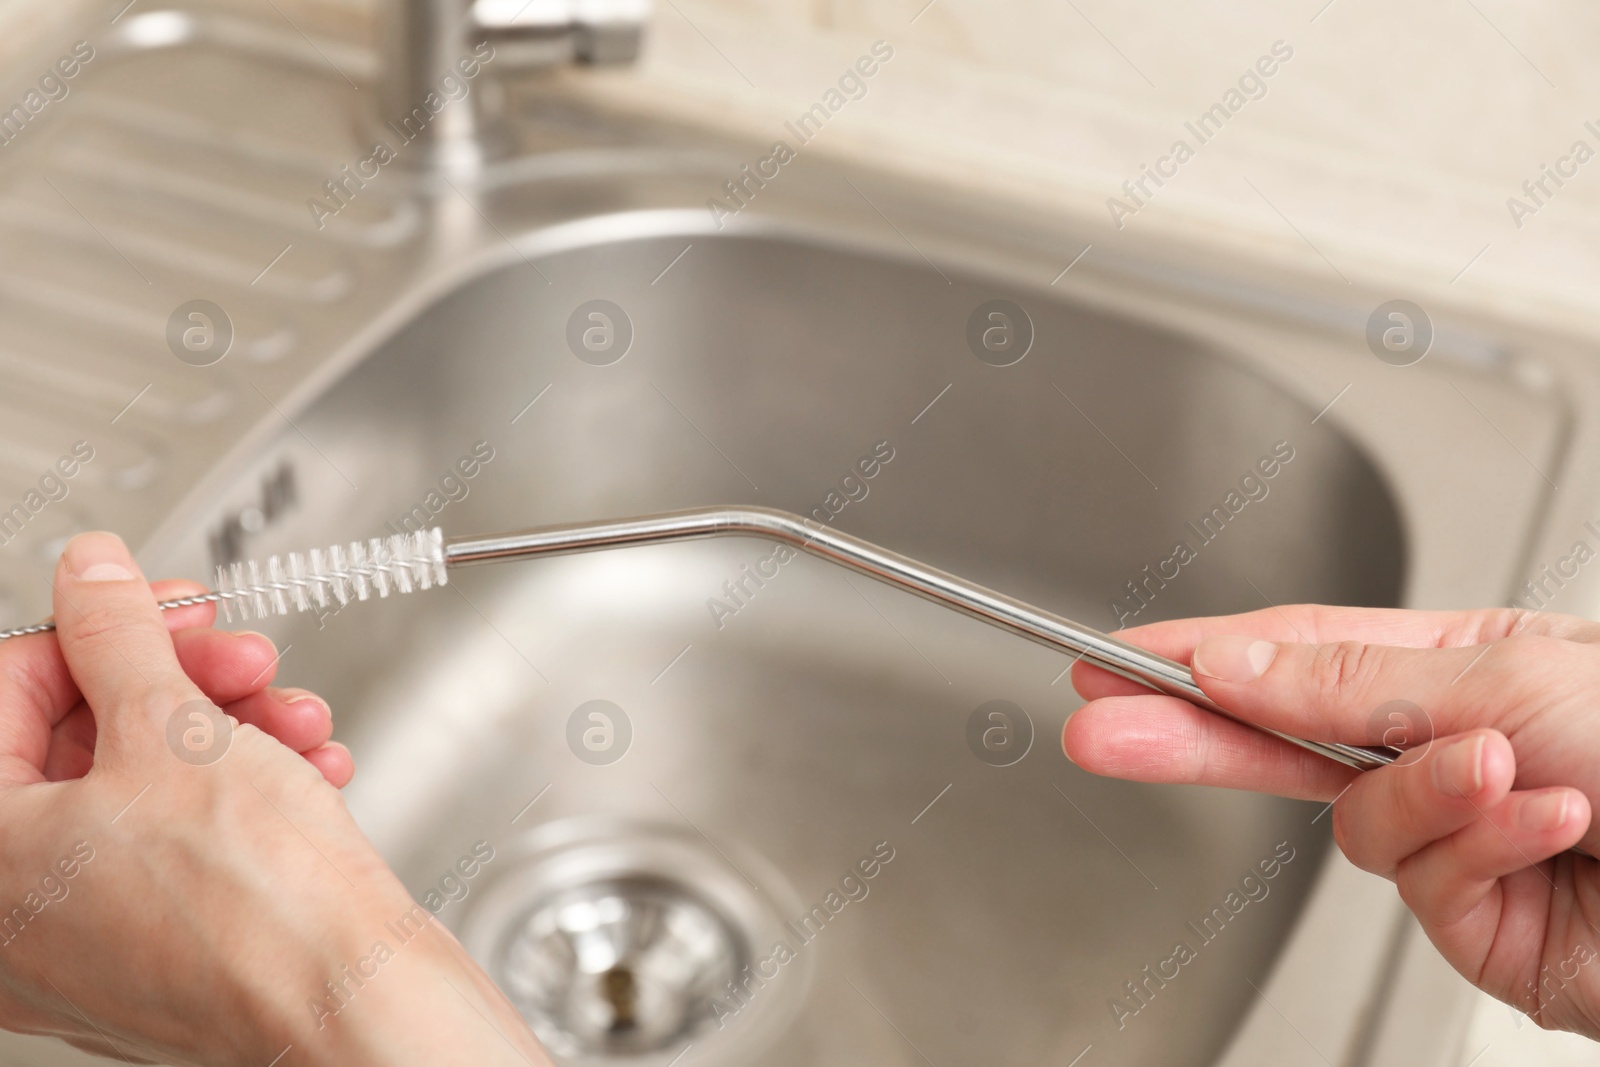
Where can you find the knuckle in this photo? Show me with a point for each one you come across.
(1347, 835)
(1521, 652)
(109, 624)
(1411, 888)
(99, 611)
(123, 638)
(247, 733)
(1496, 624)
(1523, 647)
(98, 619)
(1521, 668)
(1344, 670)
(1194, 751)
(1550, 624)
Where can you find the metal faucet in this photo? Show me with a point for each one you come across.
(427, 47)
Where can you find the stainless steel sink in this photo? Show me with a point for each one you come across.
(826, 714)
(676, 755)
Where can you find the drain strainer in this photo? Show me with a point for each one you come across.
(619, 966)
(622, 942)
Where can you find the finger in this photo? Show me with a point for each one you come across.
(113, 638)
(1316, 623)
(226, 665)
(71, 751)
(1337, 692)
(183, 618)
(1452, 885)
(1095, 683)
(1165, 739)
(1395, 812)
(294, 718)
(334, 761)
(1322, 624)
(298, 719)
(36, 690)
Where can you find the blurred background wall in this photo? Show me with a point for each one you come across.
(1391, 141)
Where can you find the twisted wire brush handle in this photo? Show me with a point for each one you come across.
(419, 561)
(315, 580)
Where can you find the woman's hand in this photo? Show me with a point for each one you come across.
(233, 670)
(1500, 715)
(189, 904)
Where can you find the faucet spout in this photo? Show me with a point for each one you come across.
(431, 50)
(421, 42)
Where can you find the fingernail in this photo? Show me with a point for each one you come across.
(1458, 768)
(98, 557)
(293, 697)
(1543, 811)
(1233, 659)
(259, 636)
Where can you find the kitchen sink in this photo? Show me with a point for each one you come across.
(659, 765)
(823, 715)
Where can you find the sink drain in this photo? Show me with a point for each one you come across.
(623, 942)
(619, 966)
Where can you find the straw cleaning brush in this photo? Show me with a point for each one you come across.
(402, 563)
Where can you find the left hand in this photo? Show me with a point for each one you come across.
(226, 912)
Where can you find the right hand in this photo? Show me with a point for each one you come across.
(165, 911)
(1472, 823)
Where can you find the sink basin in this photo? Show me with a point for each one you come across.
(822, 715)
(712, 796)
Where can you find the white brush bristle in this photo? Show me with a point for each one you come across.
(316, 581)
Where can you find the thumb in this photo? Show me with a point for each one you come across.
(114, 641)
(1349, 692)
